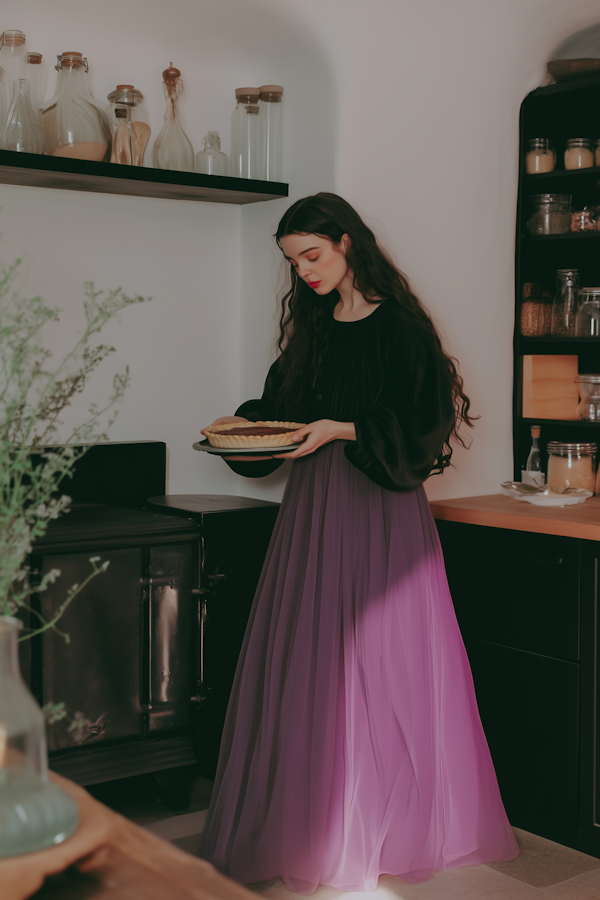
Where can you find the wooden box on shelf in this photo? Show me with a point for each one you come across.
(549, 387)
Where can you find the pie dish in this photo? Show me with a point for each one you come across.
(250, 435)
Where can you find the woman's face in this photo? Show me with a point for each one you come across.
(317, 260)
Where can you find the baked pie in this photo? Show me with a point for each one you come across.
(248, 435)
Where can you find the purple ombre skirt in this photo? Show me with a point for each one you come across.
(353, 745)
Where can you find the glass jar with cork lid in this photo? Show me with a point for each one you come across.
(571, 465)
(76, 126)
(129, 125)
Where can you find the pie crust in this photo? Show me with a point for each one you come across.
(219, 436)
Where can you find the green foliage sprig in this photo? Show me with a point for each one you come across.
(34, 391)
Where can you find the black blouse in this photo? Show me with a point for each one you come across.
(383, 374)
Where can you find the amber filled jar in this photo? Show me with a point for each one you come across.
(579, 154)
(571, 466)
(540, 156)
(536, 310)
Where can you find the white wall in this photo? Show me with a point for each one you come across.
(408, 109)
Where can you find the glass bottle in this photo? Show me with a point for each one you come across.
(247, 137)
(211, 160)
(22, 130)
(129, 125)
(564, 306)
(173, 148)
(76, 126)
(532, 473)
(271, 112)
(37, 77)
(13, 63)
(587, 320)
(34, 813)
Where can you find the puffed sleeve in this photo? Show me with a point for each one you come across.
(400, 439)
(263, 410)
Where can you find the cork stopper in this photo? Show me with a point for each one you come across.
(535, 431)
(13, 38)
(34, 59)
(271, 89)
(126, 87)
(71, 59)
(247, 94)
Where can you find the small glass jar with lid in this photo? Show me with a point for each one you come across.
(579, 154)
(129, 124)
(583, 219)
(589, 392)
(212, 160)
(540, 156)
(550, 214)
(36, 75)
(571, 466)
(587, 319)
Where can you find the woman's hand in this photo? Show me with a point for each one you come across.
(228, 420)
(318, 433)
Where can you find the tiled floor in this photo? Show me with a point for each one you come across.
(543, 870)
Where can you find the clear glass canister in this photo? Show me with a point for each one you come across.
(13, 66)
(248, 155)
(587, 319)
(571, 466)
(34, 812)
(550, 214)
(271, 110)
(37, 77)
(22, 130)
(129, 125)
(564, 307)
(540, 156)
(75, 125)
(589, 393)
(579, 154)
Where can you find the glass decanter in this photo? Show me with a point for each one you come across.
(212, 160)
(75, 125)
(129, 124)
(34, 812)
(173, 148)
(22, 130)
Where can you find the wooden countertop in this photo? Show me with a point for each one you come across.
(498, 511)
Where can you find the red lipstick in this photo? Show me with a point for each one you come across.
(313, 284)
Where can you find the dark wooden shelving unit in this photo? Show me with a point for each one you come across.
(107, 178)
(558, 112)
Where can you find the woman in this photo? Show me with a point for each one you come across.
(353, 745)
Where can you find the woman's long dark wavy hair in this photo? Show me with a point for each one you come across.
(305, 319)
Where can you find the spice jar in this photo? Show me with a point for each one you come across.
(583, 220)
(578, 154)
(564, 306)
(75, 125)
(550, 214)
(129, 124)
(571, 466)
(587, 320)
(536, 310)
(540, 156)
(589, 392)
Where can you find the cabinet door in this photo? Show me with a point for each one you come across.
(529, 708)
(97, 673)
(514, 588)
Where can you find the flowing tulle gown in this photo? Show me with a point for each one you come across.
(353, 745)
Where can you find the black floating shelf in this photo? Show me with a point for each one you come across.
(108, 178)
(558, 339)
(563, 173)
(566, 236)
(580, 423)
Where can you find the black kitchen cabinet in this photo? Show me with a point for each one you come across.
(527, 609)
